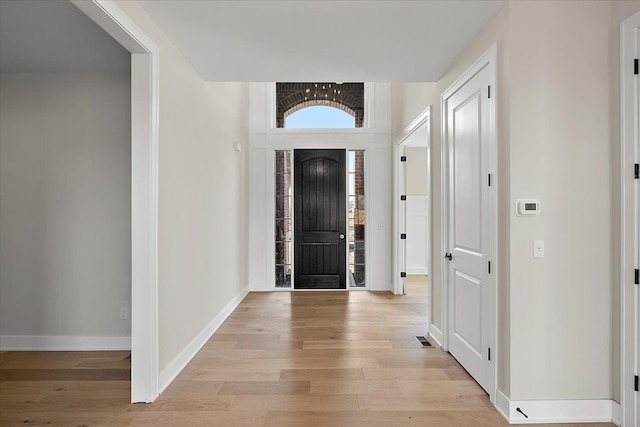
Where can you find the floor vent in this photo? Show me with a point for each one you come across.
(424, 342)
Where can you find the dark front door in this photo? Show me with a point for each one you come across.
(320, 225)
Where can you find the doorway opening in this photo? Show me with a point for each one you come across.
(412, 212)
(630, 221)
(145, 376)
(320, 219)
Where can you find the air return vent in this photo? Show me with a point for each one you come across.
(423, 341)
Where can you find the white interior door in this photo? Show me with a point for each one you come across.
(469, 234)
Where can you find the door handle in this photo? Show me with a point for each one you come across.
(341, 236)
(448, 256)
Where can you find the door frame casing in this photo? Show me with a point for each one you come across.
(489, 61)
(375, 139)
(629, 250)
(399, 214)
(270, 250)
(144, 191)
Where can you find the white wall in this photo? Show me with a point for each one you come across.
(416, 170)
(65, 209)
(202, 200)
(560, 154)
(556, 144)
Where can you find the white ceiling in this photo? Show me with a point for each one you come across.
(384, 41)
(54, 36)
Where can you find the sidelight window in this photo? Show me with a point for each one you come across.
(283, 215)
(356, 219)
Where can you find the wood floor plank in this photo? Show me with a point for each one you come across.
(322, 374)
(247, 418)
(64, 374)
(333, 344)
(296, 403)
(429, 374)
(205, 374)
(264, 387)
(337, 387)
(407, 402)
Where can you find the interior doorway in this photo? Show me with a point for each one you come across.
(630, 221)
(144, 192)
(412, 211)
(412, 227)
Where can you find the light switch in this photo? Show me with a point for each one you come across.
(538, 248)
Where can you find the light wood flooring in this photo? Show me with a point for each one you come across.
(282, 359)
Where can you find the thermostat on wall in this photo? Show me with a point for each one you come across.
(527, 207)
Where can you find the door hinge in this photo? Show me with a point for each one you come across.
(635, 66)
(489, 353)
(403, 158)
(636, 170)
(635, 383)
(403, 236)
(636, 280)
(489, 91)
(489, 262)
(489, 179)
(403, 274)
(403, 197)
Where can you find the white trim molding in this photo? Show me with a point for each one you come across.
(374, 139)
(399, 214)
(63, 343)
(489, 61)
(616, 414)
(629, 195)
(145, 88)
(555, 411)
(435, 334)
(178, 364)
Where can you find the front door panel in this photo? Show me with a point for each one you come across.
(320, 219)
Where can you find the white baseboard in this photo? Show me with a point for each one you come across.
(416, 271)
(380, 287)
(261, 287)
(616, 416)
(555, 411)
(62, 343)
(177, 365)
(436, 335)
(502, 404)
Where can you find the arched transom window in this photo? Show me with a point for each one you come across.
(292, 97)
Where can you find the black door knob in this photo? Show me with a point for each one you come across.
(448, 256)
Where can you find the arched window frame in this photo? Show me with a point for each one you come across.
(320, 103)
(352, 100)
